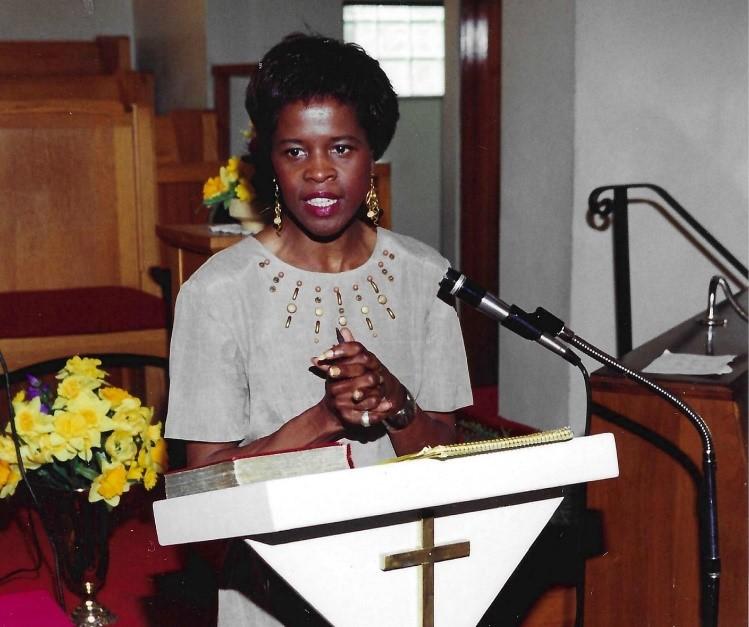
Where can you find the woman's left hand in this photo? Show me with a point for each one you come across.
(359, 388)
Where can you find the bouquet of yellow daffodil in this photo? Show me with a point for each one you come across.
(90, 436)
(227, 186)
(232, 191)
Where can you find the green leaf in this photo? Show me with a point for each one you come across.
(83, 470)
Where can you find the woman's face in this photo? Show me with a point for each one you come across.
(323, 164)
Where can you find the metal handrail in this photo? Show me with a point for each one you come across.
(615, 211)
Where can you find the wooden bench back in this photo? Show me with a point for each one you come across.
(103, 55)
(78, 195)
(127, 87)
(187, 136)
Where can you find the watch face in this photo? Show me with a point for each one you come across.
(404, 416)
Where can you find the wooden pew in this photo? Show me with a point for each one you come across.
(78, 193)
(127, 87)
(186, 156)
(103, 55)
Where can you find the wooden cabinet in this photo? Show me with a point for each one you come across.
(649, 574)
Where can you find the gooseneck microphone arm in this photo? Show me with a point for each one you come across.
(544, 327)
(456, 284)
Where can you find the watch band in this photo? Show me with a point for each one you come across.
(404, 416)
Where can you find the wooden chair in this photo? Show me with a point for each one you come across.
(77, 185)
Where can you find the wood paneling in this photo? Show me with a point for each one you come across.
(480, 46)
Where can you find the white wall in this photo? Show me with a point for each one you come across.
(64, 19)
(660, 95)
(170, 42)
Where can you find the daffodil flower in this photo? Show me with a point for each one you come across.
(97, 433)
(9, 478)
(83, 366)
(110, 484)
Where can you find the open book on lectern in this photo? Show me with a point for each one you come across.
(329, 535)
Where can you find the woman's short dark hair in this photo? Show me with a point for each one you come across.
(307, 67)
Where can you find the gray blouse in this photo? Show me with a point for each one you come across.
(247, 324)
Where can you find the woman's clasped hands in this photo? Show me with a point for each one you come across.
(359, 389)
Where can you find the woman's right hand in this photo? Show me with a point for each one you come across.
(354, 383)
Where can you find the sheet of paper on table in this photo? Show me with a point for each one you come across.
(234, 229)
(689, 364)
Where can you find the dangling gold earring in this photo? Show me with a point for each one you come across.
(277, 209)
(373, 205)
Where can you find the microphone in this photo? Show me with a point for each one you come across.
(457, 284)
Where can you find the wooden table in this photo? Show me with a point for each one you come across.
(649, 574)
(188, 247)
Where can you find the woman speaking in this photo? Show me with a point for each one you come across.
(323, 327)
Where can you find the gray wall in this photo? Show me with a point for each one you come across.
(64, 19)
(170, 42)
(450, 244)
(660, 95)
(416, 158)
(240, 32)
(537, 164)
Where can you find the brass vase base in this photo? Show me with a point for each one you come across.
(90, 612)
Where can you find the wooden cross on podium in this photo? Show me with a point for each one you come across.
(426, 557)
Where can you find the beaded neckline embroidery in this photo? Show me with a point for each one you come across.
(342, 299)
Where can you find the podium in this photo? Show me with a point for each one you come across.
(425, 542)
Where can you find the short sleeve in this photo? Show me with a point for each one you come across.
(208, 390)
(445, 384)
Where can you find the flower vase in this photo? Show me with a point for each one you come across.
(247, 215)
(80, 533)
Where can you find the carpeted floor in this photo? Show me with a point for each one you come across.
(137, 564)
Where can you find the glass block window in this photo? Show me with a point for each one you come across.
(407, 40)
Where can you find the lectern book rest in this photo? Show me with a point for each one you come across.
(330, 535)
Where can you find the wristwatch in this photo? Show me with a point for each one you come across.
(404, 416)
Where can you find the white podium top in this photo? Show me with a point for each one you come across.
(344, 495)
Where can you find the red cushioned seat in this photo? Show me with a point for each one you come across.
(77, 311)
